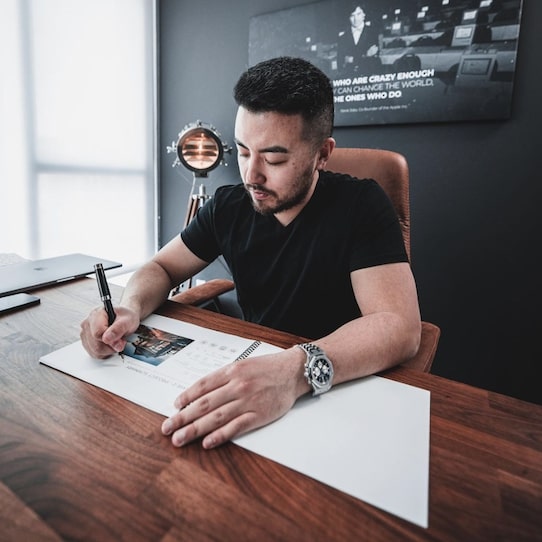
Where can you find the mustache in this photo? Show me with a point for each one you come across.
(258, 187)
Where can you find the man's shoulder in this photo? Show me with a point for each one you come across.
(336, 189)
(334, 181)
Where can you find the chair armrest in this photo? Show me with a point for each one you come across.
(423, 360)
(202, 293)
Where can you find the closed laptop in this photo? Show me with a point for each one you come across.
(32, 274)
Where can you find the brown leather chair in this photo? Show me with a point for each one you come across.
(390, 170)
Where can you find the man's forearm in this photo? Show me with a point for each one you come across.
(371, 344)
(147, 289)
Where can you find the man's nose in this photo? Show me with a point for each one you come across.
(253, 172)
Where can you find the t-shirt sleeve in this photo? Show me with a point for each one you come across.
(199, 235)
(377, 238)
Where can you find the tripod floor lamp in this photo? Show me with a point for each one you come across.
(200, 149)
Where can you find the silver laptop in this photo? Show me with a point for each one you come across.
(32, 274)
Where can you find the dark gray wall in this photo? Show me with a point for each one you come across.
(475, 190)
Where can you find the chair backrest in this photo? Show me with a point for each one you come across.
(388, 168)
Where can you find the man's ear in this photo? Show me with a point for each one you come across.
(325, 152)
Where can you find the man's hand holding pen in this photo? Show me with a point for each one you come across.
(102, 340)
(102, 334)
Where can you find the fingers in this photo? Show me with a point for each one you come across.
(125, 323)
(203, 386)
(217, 426)
(215, 407)
(101, 340)
(204, 399)
(92, 329)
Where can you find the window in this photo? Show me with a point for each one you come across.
(77, 126)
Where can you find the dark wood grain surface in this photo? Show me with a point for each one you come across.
(78, 463)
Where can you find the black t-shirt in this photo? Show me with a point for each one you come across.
(297, 278)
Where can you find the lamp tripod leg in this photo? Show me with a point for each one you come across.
(194, 203)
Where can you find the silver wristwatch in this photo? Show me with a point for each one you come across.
(318, 368)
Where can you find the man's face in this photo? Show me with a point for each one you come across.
(277, 166)
(357, 17)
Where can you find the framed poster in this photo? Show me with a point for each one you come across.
(402, 61)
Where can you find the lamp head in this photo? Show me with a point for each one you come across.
(199, 148)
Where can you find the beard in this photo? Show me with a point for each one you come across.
(276, 203)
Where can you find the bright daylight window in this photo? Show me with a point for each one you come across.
(77, 129)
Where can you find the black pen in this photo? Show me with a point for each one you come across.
(105, 295)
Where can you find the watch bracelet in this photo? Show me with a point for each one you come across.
(311, 350)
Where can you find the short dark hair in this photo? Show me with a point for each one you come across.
(290, 86)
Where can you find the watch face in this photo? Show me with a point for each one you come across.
(321, 371)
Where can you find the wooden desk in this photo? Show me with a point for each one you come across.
(79, 463)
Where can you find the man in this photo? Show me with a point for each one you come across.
(357, 46)
(310, 252)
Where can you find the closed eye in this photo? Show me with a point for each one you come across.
(274, 160)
